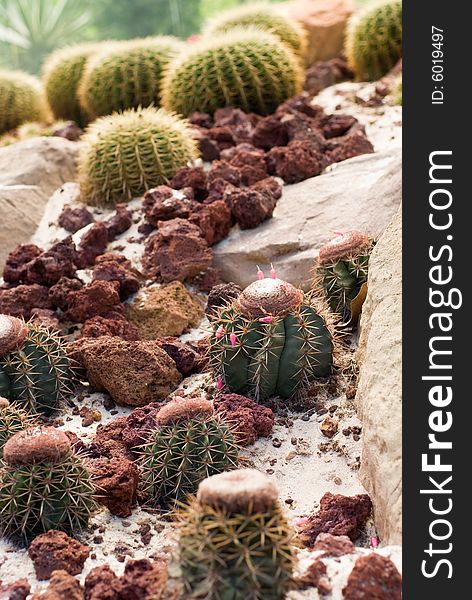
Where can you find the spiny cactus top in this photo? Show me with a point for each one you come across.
(246, 68)
(126, 154)
(235, 542)
(341, 273)
(266, 17)
(272, 340)
(43, 485)
(190, 442)
(374, 39)
(126, 75)
(34, 368)
(21, 99)
(12, 419)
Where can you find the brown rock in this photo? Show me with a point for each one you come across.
(295, 162)
(59, 261)
(201, 119)
(115, 267)
(221, 169)
(301, 103)
(108, 440)
(324, 74)
(71, 131)
(177, 251)
(329, 427)
(238, 122)
(93, 243)
(374, 577)
(269, 132)
(95, 299)
(54, 551)
(350, 145)
(192, 177)
(120, 222)
(61, 586)
(59, 293)
(20, 301)
(303, 128)
(223, 136)
(338, 515)
(18, 590)
(220, 295)
(113, 324)
(17, 261)
(250, 207)
(209, 149)
(165, 311)
(143, 580)
(101, 583)
(316, 576)
(138, 424)
(186, 358)
(133, 373)
(117, 481)
(251, 420)
(46, 317)
(73, 218)
(336, 125)
(160, 204)
(214, 220)
(333, 545)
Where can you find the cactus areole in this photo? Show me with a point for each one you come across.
(272, 340)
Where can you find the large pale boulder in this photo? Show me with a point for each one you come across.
(30, 171)
(325, 23)
(361, 193)
(379, 392)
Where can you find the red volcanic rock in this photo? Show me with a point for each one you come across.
(59, 261)
(117, 481)
(133, 373)
(108, 441)
(269, 132)
(201, 119)
(93, 243)
(71, 131)
(269, 186)
(240, 124)
(300, 104)
(14, 270)
(302, 128)
(46, 317)
(295, 162)
(220, 295)
(176, 251)
(18, 590)
(250, 162)
(101, 583)
(143, 579)
(192, 177)
(251, 420)
(115, 267)
(213, 220)
(374, 577)
(159, 204)
(204, 282)
(221, 169)
(219, 189)
(113, 324)
(59, 293)
(353, 144)
(333, 545)
(223, 136)
(95, 299)
(209, 149)
(73, 218)
(336, 125)
(120, 222)
(316, 576)
(61, 586)
(250, 207)
(338, 515)
(21, 300)
(324, 74)
(138, 425)
(55, 550)
(186, 358)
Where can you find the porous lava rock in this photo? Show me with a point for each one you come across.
(60, 293)
(116, 267)
(55, 550)
(18, 590)
(61, 586)
(120, 222)
(161, 204)
(138, 424)
(296, 161)
(219, 296)
(21, 300)
(117, 481)
(93, 243)
(14, 270)
(374, 577)
(186, 357)
(213, 220)
(113, 324)
(333, 545)
(94, 299)
(59, 261)
(192, 177)
(102, 583)
(251, 420)
(73, 218)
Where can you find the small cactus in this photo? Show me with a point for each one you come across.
(12, 419)
(61, 75)
(126, 154)
(43, 485)
(246, 68)
(235, 542)
(264, 16)
(126, 75)
(191, 442)
(374, 39)
(34, 368)
(272, 340)
(341, 273)
(21, 100)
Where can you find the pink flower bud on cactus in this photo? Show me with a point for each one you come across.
(273, 274)
(267, 319)
(260, 274)
(232, 339)
(374, 542)
(219, 332)
(219, 383)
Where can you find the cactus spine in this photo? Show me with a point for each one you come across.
(190, 443)
(62, 73)
(34, 368)
(374, 39)
(12, 419)
(127, 154)
(246, 68)
(235, 542)
(43, 485)
(272, 340)
(126, 75)
(265, 17)
(341, 273)
(21, 100)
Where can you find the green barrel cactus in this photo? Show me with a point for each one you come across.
(21, 100)
(126, 154)
(35, 371)
(13, 418)
(264, 16)
(245, 68)
(43, 485)
(127, 75)
(341, 273)
(235, 542)
(191, 442)
(61, 75)
(374, 39)
(272, 340)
